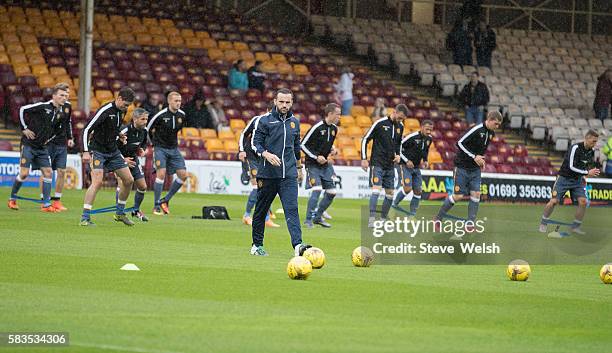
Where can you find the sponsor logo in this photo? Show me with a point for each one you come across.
(292, 124)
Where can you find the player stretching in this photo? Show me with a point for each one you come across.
(163, 128)
(468, 165)
(251, 162)
(39, 121)
(578, 159)
(101, 134)
(318, 147)
(276, 139)
(136, 142)
(387, 135)
(58, 151)
(414, 151)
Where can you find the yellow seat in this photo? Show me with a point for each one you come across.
(267, 66)
(166, 23)
(160, 40)
(231, 55)
(284, 68)
(202, 34)
(262, 56)
(4, 58)
(94, 104)
(247, 56)
(172, 32)
(354, 131)
(10, 38)
(191, 133)
(350, 153)
(127, 38)
(231, 146)
(344, 141)
(21, 70)
(119, 20)
(358, 110)
(215, 54)
(240, 46)
(434, 157)
(207, 134)
(214, 145)
(304, 127)
(278, 58)
(187, 33)
(226, 135)
(33, 49)
(225, 45)
(14, 48)
(133, 21)
(57, 71)
(300, 69)
(208, 43)
(150, 22)
(193, 42)
(38, 70)
(18, 58)
(363, 121)
(346, 121)
(411, 124)
(237, 124)
(45, 81)
(104, 96)
(144, 39)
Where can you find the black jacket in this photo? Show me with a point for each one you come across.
(476, 96)
(387, 138)
(63, 130)
(577, 162)
(136, 138)
(244, 143)
(485, 41)
(473, 143)
(279, 135)
(318, 141)
(415, 148)
(164, 127)
(104, 129)
(199, 118)
(256, 78)
(43, 119)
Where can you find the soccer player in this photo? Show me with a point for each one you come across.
(58, 152)
(318, 147)
(276, 139)
(136, 142)
(163, 129)
(251, 162)
(414, 151)
(38, 122)
(100, 135)
(577, 165)
(387, 136)
(468, 165)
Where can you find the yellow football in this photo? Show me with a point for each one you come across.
(299, 268)
(606, 273)
(315, 256)
(362, 257)
(518, 270)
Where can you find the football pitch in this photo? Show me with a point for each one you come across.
(199, 290)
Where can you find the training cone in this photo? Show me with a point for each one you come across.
(130, 267)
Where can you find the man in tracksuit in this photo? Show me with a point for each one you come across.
(276, 139)
(163, 129)
(318, 147)
(58, 151)
(39, 122)
(136, 142)
(468, 165)
(100, 135)
(577, 164)
(250, 162)
(387, 136)
(414, 151)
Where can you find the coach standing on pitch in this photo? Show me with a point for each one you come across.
(276, 139)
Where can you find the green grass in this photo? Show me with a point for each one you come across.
(199, 291)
